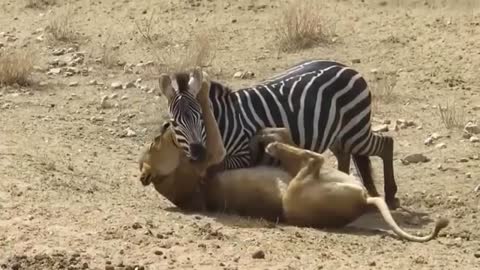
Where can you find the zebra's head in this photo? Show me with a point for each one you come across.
(181, 90)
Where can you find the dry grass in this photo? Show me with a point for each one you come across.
(109, 55)
(302, 26)
(40, 4)
(199, 52)
(171, 55)
(451, 115)
(383, 88)
(61, 29)
(16, 67)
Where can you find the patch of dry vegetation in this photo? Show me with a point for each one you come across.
(61, 29)
(40, 4)
(383, 88)
(175, 56)
(16, 67)
(302, 26)
(109, 54)
(451, 115)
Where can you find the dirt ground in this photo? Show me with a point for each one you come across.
(70, 197)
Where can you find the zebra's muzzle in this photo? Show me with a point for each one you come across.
(197, 152)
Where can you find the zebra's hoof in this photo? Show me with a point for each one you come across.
(393, 203)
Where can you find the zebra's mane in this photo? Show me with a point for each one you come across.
(183, 78)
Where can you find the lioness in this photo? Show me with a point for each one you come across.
(300, 192)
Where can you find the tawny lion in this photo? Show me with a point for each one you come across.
(300, 192)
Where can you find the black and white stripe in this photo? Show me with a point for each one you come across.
(324, 104)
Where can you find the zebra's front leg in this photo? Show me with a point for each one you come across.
(343, 158)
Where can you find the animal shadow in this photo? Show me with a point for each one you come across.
(371, 223)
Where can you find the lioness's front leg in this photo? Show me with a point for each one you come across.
(214, 143)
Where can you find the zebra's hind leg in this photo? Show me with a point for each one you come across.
(390, 186)
(381, 146)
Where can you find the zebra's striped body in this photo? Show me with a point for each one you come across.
(324, 104)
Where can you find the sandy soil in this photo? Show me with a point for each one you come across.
(69, 191)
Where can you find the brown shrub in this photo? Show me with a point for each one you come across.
(16, 67)
(40, 4)
(301, 26)
(60, 28)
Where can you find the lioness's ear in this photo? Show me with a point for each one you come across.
(195, 82)
(166, 87)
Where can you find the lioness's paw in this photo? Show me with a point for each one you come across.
(272, 148)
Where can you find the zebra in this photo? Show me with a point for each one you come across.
(324, 104)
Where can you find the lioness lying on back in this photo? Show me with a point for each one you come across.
(301, 192)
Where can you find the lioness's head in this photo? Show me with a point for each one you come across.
(161, 158)
(165, 165)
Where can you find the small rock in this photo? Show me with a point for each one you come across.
(463, 160)
(244, 75)
(428, 141)
(58, 52)
(441, 168)
(441, 146)
(477, 189)
(128, 85)
(237, 75)
(415, 158)
(474, 139)
(158, 252)
(97, 119)
(124, 97)
(356, 61)
(11, 39)
(116, 85)
(104, 102)
(73, 84)
(92, 82)
(468, 175)
(380, 128)
(466, 135)
(54, 71)
(436, 136)
(372, 263)
(109, 267)
(258, 254)
(472, 128)
(136, 226)
(114, 96)
(129, 133)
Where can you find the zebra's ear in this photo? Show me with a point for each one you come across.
(195, 82)
(166, 87)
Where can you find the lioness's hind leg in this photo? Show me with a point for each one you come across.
(293, 158)
(281, 151)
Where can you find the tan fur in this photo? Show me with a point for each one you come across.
(302, 192)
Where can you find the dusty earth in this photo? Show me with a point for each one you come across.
(69, 191)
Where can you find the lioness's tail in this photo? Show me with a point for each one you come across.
(387, 216)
